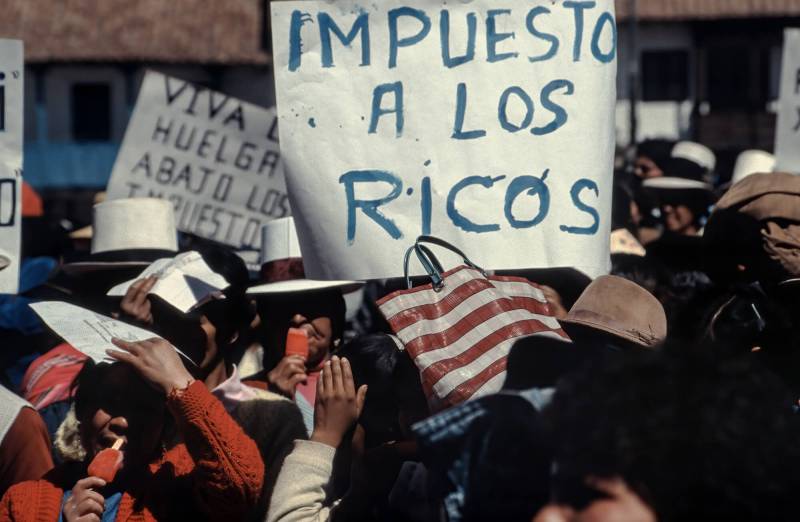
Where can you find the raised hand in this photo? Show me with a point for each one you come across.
(85, 504)
(156, 360)
(136, 304)
(338, 404)
(285, 377)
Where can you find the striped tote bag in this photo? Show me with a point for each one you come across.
(459, 328)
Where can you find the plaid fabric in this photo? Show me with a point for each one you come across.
(460, 337)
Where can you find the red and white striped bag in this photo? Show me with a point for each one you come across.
(459, 328)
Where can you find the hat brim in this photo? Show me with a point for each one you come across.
(622, 334)
(303, 285)
(674, 183)
(115, 260)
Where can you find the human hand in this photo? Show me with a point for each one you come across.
(85, 504)
(338, 405)
(554, 301)
(135, 303)
(285, 377)
(156, 360)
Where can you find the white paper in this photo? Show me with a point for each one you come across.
(185, 281)
(787, 129)
(11, 138)
(215, 157)
(88, 332)
(473, 173)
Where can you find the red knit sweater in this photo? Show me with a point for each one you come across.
(216, 473)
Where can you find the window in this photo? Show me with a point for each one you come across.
(91, 111)
(665, 75)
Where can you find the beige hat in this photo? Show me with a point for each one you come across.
(696, 153)
(751, 162)
(621, 308)
(128, 233)
(282, 263)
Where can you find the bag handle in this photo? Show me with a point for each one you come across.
(431, 263)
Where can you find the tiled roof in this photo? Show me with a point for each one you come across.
(675, 10)
(194, 31)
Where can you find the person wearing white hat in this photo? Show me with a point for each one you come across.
(128, 235)
(696, 153)
(287, 299)
(683, 196)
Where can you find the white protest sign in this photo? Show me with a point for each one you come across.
(215, 157)
(787, 129)
(88, 332)
(11, 138)
(490, 126)
(185, 281)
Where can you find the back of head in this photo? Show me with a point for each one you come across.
(670, 429)
(757, 225)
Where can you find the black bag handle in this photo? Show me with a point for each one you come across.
(430, 262)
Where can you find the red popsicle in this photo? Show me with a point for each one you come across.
(297, 343)
(106, 463)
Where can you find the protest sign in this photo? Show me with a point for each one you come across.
(11, 138)
(215, 157)
(489, 126)
(89, 332)
(185, 281)
(787, 129)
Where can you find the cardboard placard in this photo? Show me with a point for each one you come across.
(489, 126)
(215, 157)
(787, 129)
(11, 139)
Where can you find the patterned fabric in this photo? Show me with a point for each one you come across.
(48, 378)
(459, 337)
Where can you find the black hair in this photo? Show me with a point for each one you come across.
(540, 361)
(232, 315)
(658, 150)
(373, 359)
(694, 439)
(647, 272)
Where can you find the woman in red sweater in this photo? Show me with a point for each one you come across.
(215, 473)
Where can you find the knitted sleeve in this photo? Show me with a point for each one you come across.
(228, 472)
(299, 493)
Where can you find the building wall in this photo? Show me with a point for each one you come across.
(54, 158)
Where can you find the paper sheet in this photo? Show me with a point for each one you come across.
(488, 124)
(185, 281)
(787, 127)
(89, 332)
(11, 138)
(215, 157)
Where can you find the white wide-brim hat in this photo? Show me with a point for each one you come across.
(282, 264)
(675, 183)
(128, 233)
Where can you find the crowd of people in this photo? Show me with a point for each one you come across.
(669, 390)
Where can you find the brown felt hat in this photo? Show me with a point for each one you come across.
(621, 308)
(765, 196)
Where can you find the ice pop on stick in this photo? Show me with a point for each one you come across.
(297, 343)
(106, 463)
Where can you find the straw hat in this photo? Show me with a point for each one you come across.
(621, 308)
(282, 263)
(128, 233)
